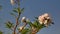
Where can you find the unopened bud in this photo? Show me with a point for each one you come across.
(23, 19)
(12, 2)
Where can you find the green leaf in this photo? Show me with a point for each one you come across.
(9, 25)
(22, 10)
(30, 23)
(15, 10)
(1, 32)
(24, 31)
(18, 10)
(13, 14)
(38, 25)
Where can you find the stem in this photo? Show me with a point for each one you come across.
(16, 24)
(22, 28)
(17, 19)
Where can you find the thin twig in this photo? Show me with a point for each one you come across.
(22, 28)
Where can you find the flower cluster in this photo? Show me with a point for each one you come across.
(45, 19)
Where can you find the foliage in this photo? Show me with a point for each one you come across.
(1, 32)
(9, 25)
(24, 31)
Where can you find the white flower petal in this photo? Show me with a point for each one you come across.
(41, 19)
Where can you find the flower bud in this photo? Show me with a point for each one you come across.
(12, 2)
(23, 19)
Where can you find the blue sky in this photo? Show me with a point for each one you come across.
(33, 8)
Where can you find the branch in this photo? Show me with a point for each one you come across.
(16, 24)
(22, 28)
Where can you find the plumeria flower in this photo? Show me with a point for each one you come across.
(41, 19)
(46, 15)
(12, 2)
(23, 19)
(45, 19)
(48, 21)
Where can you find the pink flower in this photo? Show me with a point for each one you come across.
(46, 15)
(48, 21)
(45, 19)
(41, 19)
